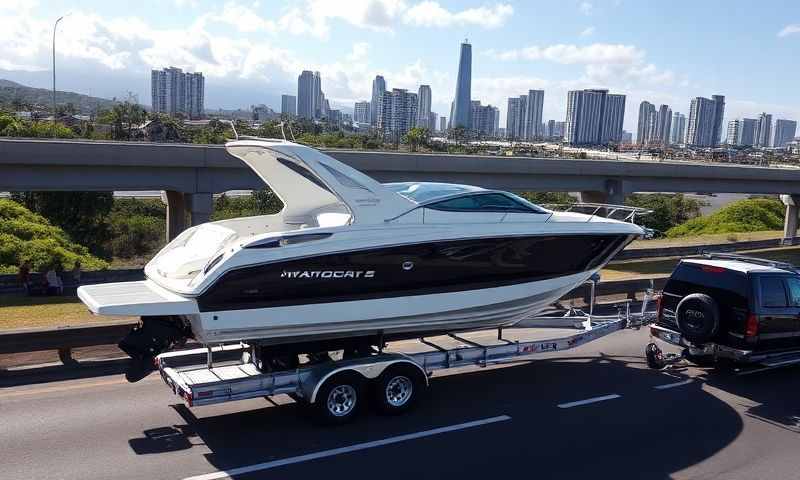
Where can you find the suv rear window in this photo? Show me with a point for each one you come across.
(687, 277)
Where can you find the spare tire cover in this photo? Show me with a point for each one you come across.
(697, 316)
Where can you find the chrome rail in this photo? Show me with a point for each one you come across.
(623, 213)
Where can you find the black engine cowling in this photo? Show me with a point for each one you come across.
(153, 335)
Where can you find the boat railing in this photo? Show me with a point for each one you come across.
(623, 213)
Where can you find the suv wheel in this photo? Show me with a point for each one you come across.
(697, 316)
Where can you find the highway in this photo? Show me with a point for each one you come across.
(594, 412)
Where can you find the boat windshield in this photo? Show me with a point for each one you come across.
(424, 192)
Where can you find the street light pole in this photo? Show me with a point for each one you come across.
(55, 26)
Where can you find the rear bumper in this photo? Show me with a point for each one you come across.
(708, 349)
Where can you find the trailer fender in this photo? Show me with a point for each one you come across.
(367, 368)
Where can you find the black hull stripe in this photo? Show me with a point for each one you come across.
(408, 270)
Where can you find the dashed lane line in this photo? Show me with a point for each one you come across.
(667, 386)
(589, 401)
(351, 448)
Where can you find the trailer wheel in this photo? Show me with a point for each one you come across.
(397, 389)
(339, 399)
(654, 355)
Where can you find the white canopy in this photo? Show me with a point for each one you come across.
(312, 183)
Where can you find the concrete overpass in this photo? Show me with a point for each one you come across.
(191, 174)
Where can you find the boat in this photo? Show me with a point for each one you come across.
(351, 258)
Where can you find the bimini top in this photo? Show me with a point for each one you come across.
(310, 183)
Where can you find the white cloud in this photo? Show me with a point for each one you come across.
(432, 14)
(242, 18)
(789, 30)
(587, 32)
(586, 8)
(599, 53)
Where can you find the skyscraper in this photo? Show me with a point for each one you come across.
(424, 107)
(784, 132)
(613, 117)
(747, 132)
(442, 124)
(719, 112)
(644, 132)
(764, 130)
(398, 113)
(305, 95)
(462, 109)
(485, 119)
(320, 108)
(361, 112)
(433, 121)
(734, 132)
(378, 88)
(532, 116)
(593, 119)
(289, 105)
(663, 125)
(678, 130)
(515, 117)
(705, 128)
(174, 92)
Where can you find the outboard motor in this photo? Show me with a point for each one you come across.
(154, 335)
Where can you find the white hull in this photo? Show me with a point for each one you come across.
(485, 308)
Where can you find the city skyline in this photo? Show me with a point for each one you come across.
(252, 54)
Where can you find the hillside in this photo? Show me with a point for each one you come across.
(29, 96)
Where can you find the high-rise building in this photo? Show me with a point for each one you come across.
(174, 92)
(593, 118)
(663, 125)
(764, 130)
(485, 119)
(515, 117)
(612, 120)
(398, 113)
(784, 132)
(361, 112)
(705, 128)
(289, 105)
(462, 108)
(532, 117)
(719, 112)
(378, 89)
(433, 120)
(306, 99)
(424, 107)
(678, 131)
(644, 132)
(747, 132)
(443, 124)
(627, 138)
(334, 118)
(320, 107)
(734, 132)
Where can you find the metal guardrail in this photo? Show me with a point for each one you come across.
(65, 339)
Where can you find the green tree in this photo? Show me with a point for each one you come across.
(668, 210)
(417, 136)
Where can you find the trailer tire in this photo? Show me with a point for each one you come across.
(397, 389)
(339, 399)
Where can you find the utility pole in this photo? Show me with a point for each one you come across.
(55, 26)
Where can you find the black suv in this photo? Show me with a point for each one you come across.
(729, 306)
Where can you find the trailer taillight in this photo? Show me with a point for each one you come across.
(751, 328)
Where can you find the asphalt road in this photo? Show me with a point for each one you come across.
(527, 420)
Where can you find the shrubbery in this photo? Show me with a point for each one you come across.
(26, 236)
(668, 210)
(750, 215)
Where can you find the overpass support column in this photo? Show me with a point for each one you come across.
(614, 193)
(200, 206)
(792, 203)
(176, 213)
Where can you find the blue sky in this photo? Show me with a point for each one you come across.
(252, 51)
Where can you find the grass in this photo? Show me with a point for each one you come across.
(653, 267)
(18, 311)
(707, 239)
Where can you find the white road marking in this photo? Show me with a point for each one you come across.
(589, 400)
(673, 385)
(352, 448)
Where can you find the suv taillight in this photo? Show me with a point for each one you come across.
(751, 328)
(659, 306)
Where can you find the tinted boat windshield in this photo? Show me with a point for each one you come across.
(422, 192)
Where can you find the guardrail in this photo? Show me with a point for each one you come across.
(65, 339)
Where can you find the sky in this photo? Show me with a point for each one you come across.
(251, 51)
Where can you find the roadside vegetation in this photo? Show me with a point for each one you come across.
(751, 215)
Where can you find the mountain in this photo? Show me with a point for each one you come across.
(42, 98)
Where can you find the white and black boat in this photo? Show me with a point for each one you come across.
(351, 258)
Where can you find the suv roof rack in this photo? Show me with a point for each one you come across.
(746, 259)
